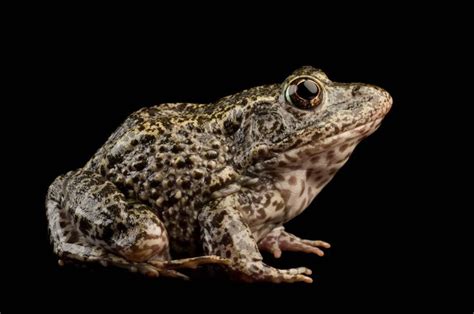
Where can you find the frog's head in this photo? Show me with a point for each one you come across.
(293, 124)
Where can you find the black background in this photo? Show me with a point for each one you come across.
(83, 81)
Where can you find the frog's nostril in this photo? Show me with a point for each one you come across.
(379, 94)
(356, 91)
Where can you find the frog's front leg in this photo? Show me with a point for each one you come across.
(279, 240)
(225, 233)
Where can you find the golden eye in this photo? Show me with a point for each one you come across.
(304, 93)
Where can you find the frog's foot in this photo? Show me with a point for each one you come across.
(251, 271)
(192, 262)
(279, 240)
(82, 251)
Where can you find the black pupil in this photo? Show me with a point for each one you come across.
(307, 89)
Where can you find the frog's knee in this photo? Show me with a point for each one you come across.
(145, 238)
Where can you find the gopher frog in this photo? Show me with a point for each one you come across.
(181, 185)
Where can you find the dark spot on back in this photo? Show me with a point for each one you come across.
(176, 148)
(84, 226)
(186, 184)
(147, 139)
(139, 165)
(180, 163)
(114, 209)
(216, 221)
(74, 237)
(108, 233)
(198, 175)
(114, 159)
(211, 154)
(121, 227)
(226, 239)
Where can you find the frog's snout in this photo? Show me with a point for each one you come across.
(379, 98)
(384, 97)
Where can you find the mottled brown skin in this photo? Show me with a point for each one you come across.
(181, 185)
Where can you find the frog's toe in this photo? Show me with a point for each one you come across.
(147, 270)
(306, 246)
(270, 244)
(300, 274)
(173, 274)
(297, 271)
(310, 246)
(317, 243)
(296, 278)
(152, 271)
(261, 272)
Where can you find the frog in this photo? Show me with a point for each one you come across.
(183, 186)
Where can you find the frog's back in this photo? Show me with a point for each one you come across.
(150, 127)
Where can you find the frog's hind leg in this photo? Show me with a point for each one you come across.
(82, 230)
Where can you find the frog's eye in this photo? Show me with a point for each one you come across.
(304, 93)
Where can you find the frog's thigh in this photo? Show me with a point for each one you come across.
(70, 245)
(84, 205)
(225, 233)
